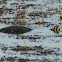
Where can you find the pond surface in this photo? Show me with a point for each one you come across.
(36, 44)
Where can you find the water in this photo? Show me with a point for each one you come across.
(48, 39)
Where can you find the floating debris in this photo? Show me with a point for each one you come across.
(11, 59)
(35, 14)
(39, 47)
(34, 37)
(23, 60)
(23, 48)
(39, 22)
(4, 48)
(49, 24)
(30, 5)
(21, 21)
(46, 60)
(15, 30)
(3, 59)
(48, 51)
(26, 48)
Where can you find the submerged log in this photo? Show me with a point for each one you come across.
(15, 30)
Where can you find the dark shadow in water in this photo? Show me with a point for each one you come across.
(15, 30)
